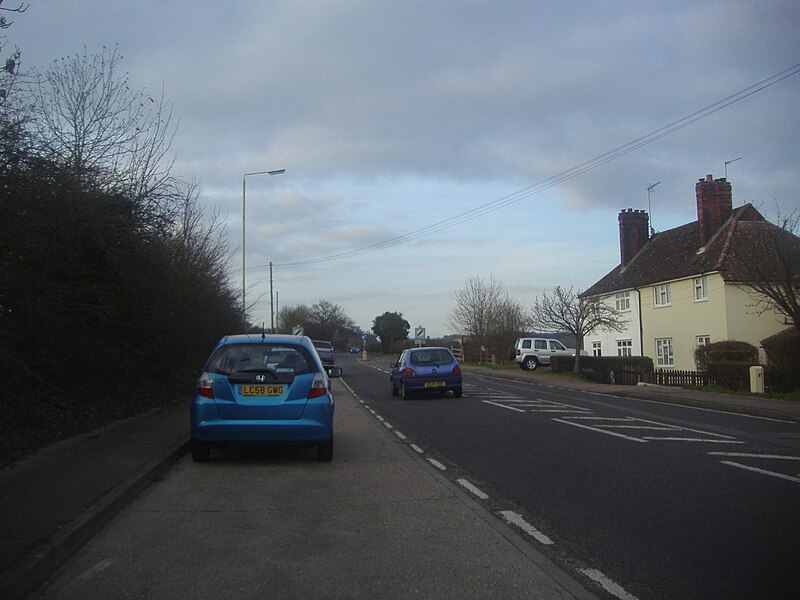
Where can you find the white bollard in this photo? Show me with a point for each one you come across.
(756, 380)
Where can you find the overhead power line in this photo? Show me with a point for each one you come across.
(554, 180)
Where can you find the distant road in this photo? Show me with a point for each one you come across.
(655, 500)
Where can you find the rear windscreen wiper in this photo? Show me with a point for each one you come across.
(269, 370)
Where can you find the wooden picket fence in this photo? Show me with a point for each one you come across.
(682, 378)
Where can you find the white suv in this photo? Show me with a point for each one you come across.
(532, 352)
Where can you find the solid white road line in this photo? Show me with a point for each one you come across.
(761, 471)
(514, 518)
(680, 439)
(700, 431)
(503, 406)
(619, 435)
(746, 455)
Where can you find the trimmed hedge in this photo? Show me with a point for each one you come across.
(728, 362)
(783, 358)
(726, 351)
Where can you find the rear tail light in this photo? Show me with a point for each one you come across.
(457, 370)
(318, 386)
(204, 388)
(519, 351)
(409, 372)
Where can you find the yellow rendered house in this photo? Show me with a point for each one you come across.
(683, 288)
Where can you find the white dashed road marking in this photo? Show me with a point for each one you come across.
(471, 488)
(437, 464)
(514, 518)
(607, 584)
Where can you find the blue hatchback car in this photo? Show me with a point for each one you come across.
(421, 370)
(263, 388)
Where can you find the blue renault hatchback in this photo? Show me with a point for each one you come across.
(263, 388)
(420, 370)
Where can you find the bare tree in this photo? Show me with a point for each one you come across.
(485, 311)
(767, 262)
(289, 316)
(328, 320)
(564, 310)
(10, 68)
(88, 118)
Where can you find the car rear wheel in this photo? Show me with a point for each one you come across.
(457, 392)
(325, 450)
(395, 391)
(201, 452)
(404, 392)
(530, 363)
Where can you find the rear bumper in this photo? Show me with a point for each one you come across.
(316, 425)
(450, 384)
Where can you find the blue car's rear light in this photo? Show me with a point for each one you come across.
(204, 388)
(318, 387)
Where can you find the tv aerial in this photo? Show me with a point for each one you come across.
(649, 208)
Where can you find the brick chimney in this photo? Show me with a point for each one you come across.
(714, 206)
(633, 225)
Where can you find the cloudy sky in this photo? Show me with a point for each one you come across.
(427, 142)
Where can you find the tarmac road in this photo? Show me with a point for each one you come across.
(57, 500)
(377, 522)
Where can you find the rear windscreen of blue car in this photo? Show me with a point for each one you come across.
(244, 358)
(431, 357)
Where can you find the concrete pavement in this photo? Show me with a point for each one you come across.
(54, 501)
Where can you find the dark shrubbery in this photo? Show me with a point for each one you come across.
(626, 370)
(728, 362)
(108, 302)
(783, 357)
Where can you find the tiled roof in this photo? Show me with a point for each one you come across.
(677, 254)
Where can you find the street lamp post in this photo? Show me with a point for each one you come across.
(244, 193)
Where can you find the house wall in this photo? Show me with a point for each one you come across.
(744, 322)
(684, 319)
(726, 314)
(608, 339)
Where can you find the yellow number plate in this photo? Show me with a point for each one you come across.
(434, 384)
(262, 390)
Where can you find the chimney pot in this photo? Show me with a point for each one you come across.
(633, 235)
(714, 206)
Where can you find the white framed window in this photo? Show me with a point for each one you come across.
(622, 301)
(664, 356)
(703, 340)
(624, 348)
(700, 289)
(663, 296)
(597, 348)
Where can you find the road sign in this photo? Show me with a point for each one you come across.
(297, 330)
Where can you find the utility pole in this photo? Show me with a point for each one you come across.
(271, 305)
